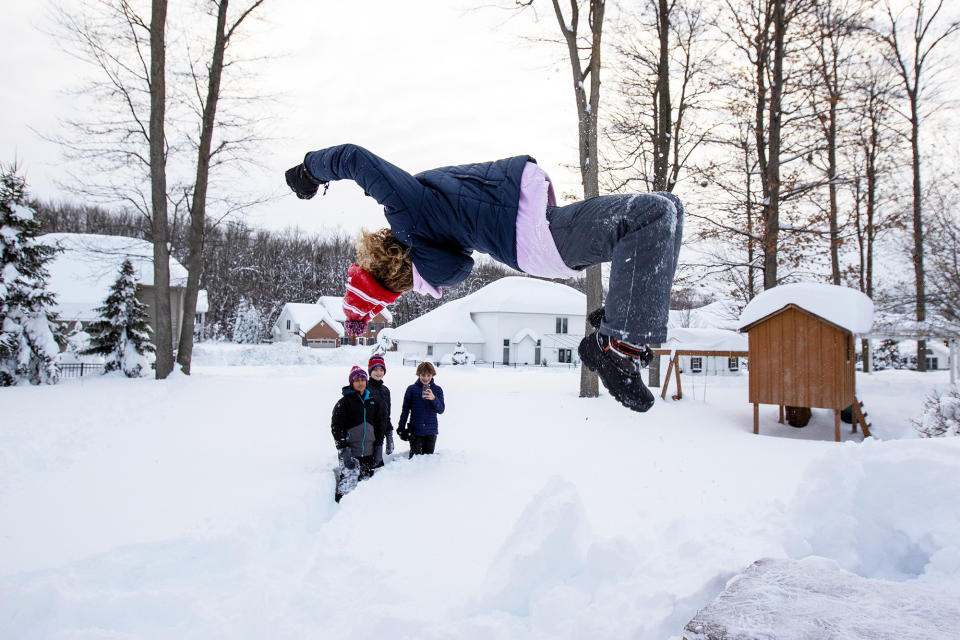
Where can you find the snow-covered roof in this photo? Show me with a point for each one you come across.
(81, 275)
(524, 333)
(517, 294)
(514, 294)
(842, 306)
(334, 305)
(705, 340)
(721, 314)
(310, 315)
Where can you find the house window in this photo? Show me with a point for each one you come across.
(564, 355)
(288, 325)
(506, 351)
(932, 363)
(296, 327)
(733, 364)
(696, 364)
(429, 349)
(561, 325)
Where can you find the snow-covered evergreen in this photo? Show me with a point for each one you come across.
(941, 415)
(246, 326)
(460, 355)
(28, 350)
(122, 334)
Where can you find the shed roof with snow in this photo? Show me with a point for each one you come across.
(841, 306)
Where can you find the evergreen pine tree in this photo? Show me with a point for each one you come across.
(28, 350)
(246, 327)
(122, 334)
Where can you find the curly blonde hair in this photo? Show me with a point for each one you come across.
(386, 259)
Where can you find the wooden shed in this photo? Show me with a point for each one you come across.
(801, 346)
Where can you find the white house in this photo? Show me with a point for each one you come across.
(703, 339)
(515, 320)
(708, 328)
(82, 274)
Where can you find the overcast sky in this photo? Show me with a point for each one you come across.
(423, 84)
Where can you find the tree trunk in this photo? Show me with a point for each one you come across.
(918, 228)
(772, 205)
(832, 187)
(163, 331)
(199, 203)
(587, 127)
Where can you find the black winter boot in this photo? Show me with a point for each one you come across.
(620, 374)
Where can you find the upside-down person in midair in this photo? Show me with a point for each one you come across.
(507, 209)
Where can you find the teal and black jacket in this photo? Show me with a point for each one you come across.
(357, 422)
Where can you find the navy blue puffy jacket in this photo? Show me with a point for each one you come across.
(422, 412)
(443, 214)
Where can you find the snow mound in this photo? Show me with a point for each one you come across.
(844, 307)
(813, 598)
(884, 510)
(546, 547)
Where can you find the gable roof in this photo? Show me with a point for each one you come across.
(81, 275)
(841, 306)
(310, 315)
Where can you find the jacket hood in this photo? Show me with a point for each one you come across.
(347, 390)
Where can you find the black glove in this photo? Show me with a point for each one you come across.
(347, 461)
(301, 182)
(378, 456)
(389, 442)
(403, 433)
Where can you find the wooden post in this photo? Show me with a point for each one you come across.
(756, 418)
(666, 381)
(836, 425)
(781, 414)
(676, 371)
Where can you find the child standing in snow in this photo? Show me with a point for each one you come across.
(357, 427)
(377, 369)
(422, 402)
(507, 209)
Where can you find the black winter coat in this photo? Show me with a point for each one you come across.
(357, 422)
(381, 393)
(443, 214)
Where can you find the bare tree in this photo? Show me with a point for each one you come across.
(910, 37)
(832, 64)
(653, 132)
(205, 153)
(588, 107)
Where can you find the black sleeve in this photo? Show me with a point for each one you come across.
(387, 425)
(386, 183)
(338, 424)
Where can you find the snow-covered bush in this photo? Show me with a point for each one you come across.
(28, 350)
(246, 326)
(461, 355)
(122, 334)
(886, 356)
(941, 415)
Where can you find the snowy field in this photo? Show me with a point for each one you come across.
(202, 507)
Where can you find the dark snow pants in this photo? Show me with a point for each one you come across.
(640, 236)
(420, 445)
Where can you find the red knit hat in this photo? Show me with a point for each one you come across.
(355, 373)
(376, 360)
(365, 298)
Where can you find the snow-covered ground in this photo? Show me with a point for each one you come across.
(201, 507)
